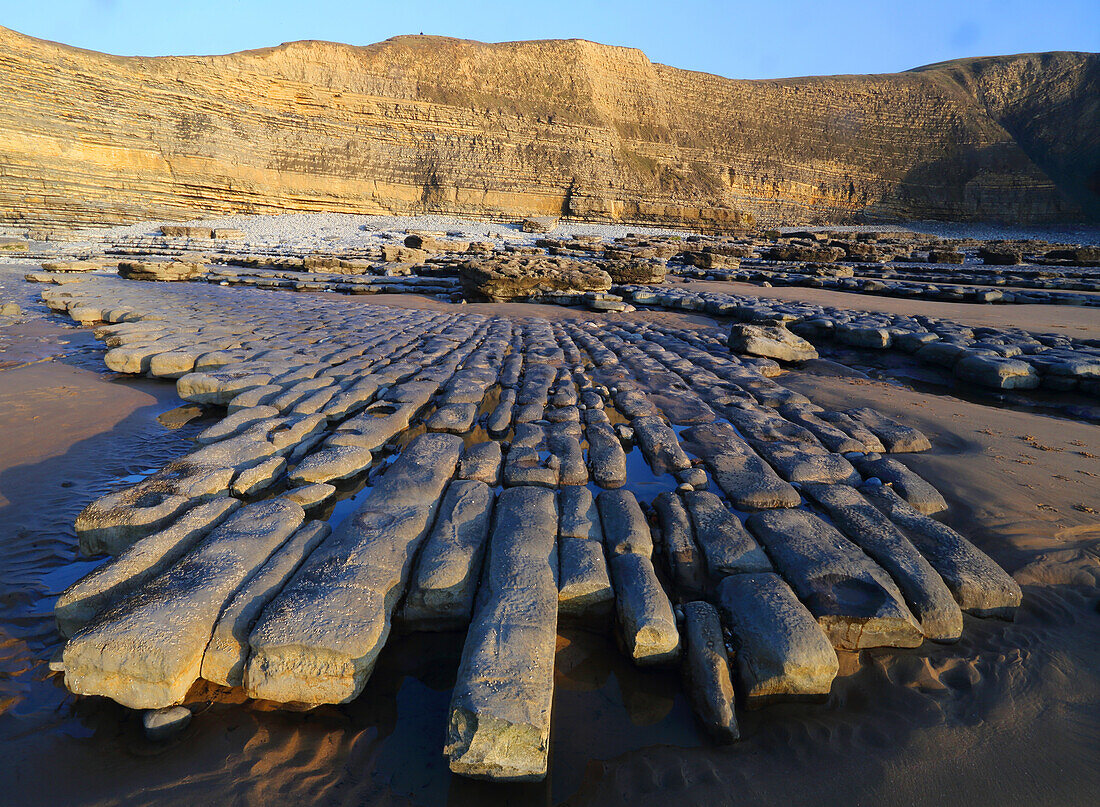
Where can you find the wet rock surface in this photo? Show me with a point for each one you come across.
(628, 456)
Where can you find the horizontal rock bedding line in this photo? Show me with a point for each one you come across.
(617, 476)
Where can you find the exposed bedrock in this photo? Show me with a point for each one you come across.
(550, 128)
(318, 640)
(499, 726)
(146, 651)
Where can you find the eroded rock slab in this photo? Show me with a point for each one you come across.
(226, 653)
(707, 672)
(142, 561)
(318, 640)
(585, 594)
(146, 651)
(979, 585)
(782, 651)
(499, 726)
(925, 592)
(854, 599)
(442, 590)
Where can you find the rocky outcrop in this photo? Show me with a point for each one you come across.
(773, 341)
(567, 129)
(504, 279)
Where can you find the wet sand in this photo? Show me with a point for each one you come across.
(1010, 715)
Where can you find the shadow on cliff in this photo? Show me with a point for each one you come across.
(996, 183)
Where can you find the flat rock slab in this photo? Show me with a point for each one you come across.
(625, 528)
(115, 521)
(914, 488)
(311, 495)
(142, 561)
(782, 653)
(925, 592)
(235, 423)
(647, 624)
(606, 458)
(146, 651)
(585, 594)
(252, 480)
(499, 726)
(443, 587)
(318, 640)
(796, 463)
(979, 585)
(897, 437)
(482, 462)
(724, 541)
(707, 671)
(854, 599)
(226, 653)
(329, 463)
(746, 480)
(686, 564)
(659, 444)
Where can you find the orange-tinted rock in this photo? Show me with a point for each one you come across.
(573, 129)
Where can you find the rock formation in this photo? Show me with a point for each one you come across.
(549, 128)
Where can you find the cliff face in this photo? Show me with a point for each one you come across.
(428, 124)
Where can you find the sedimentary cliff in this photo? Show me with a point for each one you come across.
(429, 124)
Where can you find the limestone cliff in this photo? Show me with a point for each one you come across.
(429, 124)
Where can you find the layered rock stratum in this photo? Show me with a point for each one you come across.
(564, 128)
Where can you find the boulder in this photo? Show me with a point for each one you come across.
(770, 341)
(914, 488)
(790, 252)
(539, 224)
(186, 231)
(945, 256)
(996, 372)
(431, 244)
(160, 270)
(163, 724)
(897, 437)
(392, 253)
(524, 278)
(999, 256)
(636, 271)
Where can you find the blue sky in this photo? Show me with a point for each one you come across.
(740, 40)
